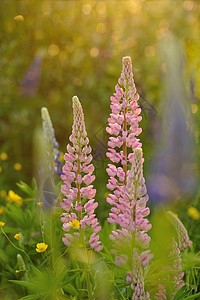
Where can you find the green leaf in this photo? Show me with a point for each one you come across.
(30, 297)
(181, 293)
(16, 214)
(26, 284)
(68, 280)
(37, 272)
(69, 288)
(25, 188)
(107, 257)
(193, 297)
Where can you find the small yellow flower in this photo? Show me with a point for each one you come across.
(61, 156)
(3, 194)
(16, 271)
(17, 166)
(17, 236)
(41, 247)
(1, 210)
(13, 197)
(3, 156)
(2, 224)
(193, 213)
(40, 204)
(75, 224)
(119, 211)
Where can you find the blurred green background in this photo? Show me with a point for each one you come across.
(53, 50)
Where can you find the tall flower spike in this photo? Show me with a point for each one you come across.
(129, 194)
(124, 121)
(52, 153)
(79, 202)
(183, 238)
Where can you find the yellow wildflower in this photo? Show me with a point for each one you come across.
(1, 210)
(3, 194)
(40, 204)
(2, 224)
(17, 236)
(17, 166)
(41, 247)
(13, 197)
(3, 156)
(193, 213)
(61, 156)
(75, 224)
(17, 271)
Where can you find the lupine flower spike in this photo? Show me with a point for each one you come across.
(183, 238)
(50, 144)
(79, 202)
(175, 262)
(174, 265)
(129, 194)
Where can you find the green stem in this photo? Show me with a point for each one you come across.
(16, 246)
(89, 287)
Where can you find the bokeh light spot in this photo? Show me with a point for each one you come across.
(101, 8)
(94, 52)
(3, 156)
(163, 67)
(136, 7)
(149, 51)
(19, 18)
(196, 135)
(86, 9)
(100, 28)
(17, 166)
(188, 5)
(53, 50)
(194, 108)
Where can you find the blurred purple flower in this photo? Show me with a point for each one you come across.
(171, 173)
(31, 78)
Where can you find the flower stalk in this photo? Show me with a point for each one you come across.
(79, 220)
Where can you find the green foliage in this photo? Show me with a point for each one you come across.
(80, 44)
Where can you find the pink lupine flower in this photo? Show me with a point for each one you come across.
(129, 194)
(137, 278)
(77, 178)
(121, 260)
(145, 257)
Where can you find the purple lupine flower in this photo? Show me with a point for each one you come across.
(173, 158)
(52, 154)
(32, 76)
(79, 193)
